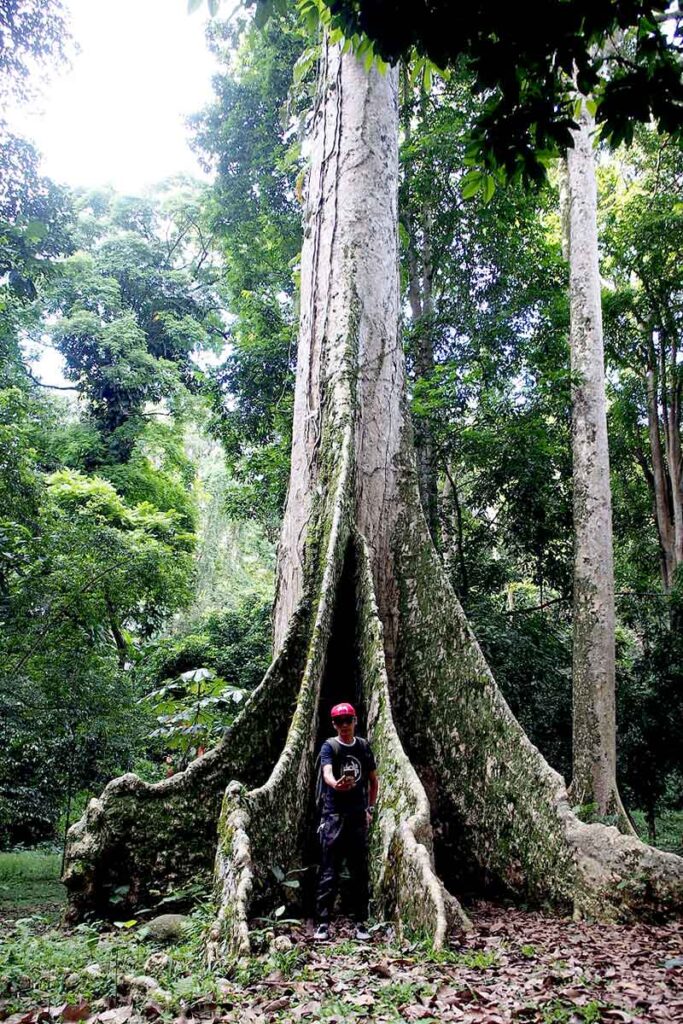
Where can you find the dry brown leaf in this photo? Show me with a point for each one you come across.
(276, 1004)
(76, 1011)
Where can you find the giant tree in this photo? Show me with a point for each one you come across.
(593, 677)
(363, 611)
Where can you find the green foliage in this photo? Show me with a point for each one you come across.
(132, 306)
(192, 711)
(622, 55)
(97, 575)
(233, 643)
(35, 963)
(251, 136)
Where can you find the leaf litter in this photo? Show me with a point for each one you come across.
(516, 967)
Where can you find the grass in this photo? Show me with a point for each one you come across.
(669, 826)
(561, 1012)
(44, 966)
(37, 865)
(30, 879)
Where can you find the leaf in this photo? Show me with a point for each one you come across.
(280, 911)
(489, 187)
(471, 184)
(276, 1004)
(264, 10)
(193, 5)
(76, 1011)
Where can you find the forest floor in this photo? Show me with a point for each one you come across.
(516, 966)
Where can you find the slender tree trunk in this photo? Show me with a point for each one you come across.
(116, 632)
(450, 494)
(659, 475)
(418, 225)
(594, 722)
(674, 452)
(364, 607)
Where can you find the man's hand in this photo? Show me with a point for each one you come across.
(346, 782)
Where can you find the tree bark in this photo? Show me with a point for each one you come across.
(359, 577)
(418, 226)
(659, 476)
(594, 721)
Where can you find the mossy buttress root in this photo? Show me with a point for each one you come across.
(509, 808)
(268, 824)
(140, 839)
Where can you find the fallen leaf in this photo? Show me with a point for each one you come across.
(76, 1011)
(276, 1004)
(117, 1015)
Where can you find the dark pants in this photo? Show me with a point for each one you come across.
(343, 838)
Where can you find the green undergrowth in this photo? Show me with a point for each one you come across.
(44, 965)
(669, 830)
(29, 879)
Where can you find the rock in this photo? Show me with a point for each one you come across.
(93, 971)
(159, 1000)
(141, 983)
(223, 987)
(282, 944)
(157, 962)
(167, 927)
(72, 981)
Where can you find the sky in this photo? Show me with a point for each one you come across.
(117, 117)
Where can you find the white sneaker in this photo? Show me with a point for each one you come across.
(361, 933)
(322, 932)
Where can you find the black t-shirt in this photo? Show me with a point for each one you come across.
(359, 757)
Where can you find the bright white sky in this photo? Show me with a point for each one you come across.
(118, 116)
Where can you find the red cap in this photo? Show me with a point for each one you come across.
(341, 710)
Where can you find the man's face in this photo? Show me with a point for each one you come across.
(345, 726)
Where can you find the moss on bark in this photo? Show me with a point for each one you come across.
(508, 806)
(140, 838)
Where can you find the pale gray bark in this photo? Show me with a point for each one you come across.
(594, 723)
(659, 477)
(349, 299)
(418, 226)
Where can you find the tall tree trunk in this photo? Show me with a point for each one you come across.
(594, 722)
(423, 345)
(659, 476)
(418, 226)
(364, 610)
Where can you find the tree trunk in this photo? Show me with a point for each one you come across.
(594, 781)
(659, 477)
(364, 612)
(418, 226)
(423, 348)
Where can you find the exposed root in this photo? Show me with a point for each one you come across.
(144, 837)
(404, 885)
(265, 825)
(268, 822)
(509, 807)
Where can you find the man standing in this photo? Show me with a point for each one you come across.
(350, 786)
